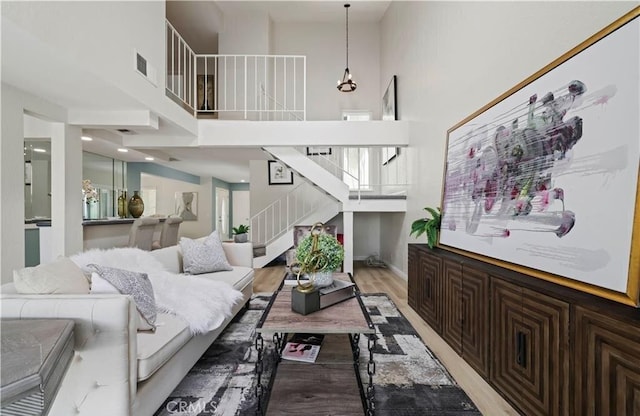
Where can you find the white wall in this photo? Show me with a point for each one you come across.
(452, 58)
(263, 194)
(366, 234)
(246, 34)
(324, 46)
(66, 179)
(100, 37)
(166, 203)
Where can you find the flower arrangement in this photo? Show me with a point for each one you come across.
(328, 245)
(89, 191)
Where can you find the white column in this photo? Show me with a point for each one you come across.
(11, 187)
(347, 225)
(66, 189)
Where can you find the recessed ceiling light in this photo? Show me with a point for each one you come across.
(148, 158)
(123, 150)
(86, 138)
(242, 180)
(39, 150)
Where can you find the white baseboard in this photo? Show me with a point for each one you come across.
(397, 271)
(391, 267)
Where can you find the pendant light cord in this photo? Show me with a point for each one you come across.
(346, 6)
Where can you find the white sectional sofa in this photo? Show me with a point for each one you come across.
(116, 370)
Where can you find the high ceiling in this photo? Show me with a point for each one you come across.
(199, 23)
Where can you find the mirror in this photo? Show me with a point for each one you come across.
(108, 176)
(37, 179)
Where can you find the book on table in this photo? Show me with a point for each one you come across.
(336, 292)
(303, 347)
(291, 279)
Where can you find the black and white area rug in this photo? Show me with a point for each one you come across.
(409, 380)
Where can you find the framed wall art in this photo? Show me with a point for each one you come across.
(318, 150)
(205, 91)
(187, 205)
(389, 101)
(544, 179)
(279, 174)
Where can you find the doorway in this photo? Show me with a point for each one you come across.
(241, 214)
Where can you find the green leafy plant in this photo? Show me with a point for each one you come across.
(327, 245)
(428, 226)
(240, 229)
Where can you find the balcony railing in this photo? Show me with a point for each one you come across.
(375, 170)
(254, 87)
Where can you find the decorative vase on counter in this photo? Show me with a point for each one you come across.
(90, 209)
(136, 205)
(122, 205)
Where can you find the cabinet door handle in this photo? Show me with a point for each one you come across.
(521, 349)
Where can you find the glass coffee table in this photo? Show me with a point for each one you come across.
(333, 380)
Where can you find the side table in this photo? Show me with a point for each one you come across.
(35, 356)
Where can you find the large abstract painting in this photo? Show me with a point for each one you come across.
(545, 178)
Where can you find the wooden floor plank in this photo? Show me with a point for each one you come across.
(382, 280)
(304, 388)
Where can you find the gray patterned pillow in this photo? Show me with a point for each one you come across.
(203, 256)
(131, 283)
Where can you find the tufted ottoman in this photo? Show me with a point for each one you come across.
(35, 356)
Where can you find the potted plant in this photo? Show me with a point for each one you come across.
(240, 233)
(428, 226)
(323, 261)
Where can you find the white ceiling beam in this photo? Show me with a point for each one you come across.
(139, 119)
(301, 133)
(148, 141)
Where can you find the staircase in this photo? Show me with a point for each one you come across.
(325, 195)
(273, 226)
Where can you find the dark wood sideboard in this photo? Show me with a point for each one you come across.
(546, 348)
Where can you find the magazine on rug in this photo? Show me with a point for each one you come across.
(303, 347)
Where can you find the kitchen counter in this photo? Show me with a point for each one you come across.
(112, 221)
(107, 233)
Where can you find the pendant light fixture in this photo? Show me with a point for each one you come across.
(347, 84)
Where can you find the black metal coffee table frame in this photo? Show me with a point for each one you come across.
(279, 338)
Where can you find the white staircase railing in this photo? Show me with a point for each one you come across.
(374, 170)
(280, 111)
(313, 172)
(281, 215)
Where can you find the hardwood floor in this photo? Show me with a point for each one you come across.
(381, 280)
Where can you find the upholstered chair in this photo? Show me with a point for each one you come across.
(168, 233)
(141, 232)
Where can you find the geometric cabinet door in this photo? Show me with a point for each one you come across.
(530, 351)
(606, 365)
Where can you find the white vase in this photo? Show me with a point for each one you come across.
(90, 210)
(322, 279)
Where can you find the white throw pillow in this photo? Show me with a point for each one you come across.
(111, 280)
(204, 256)
(61, 276)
